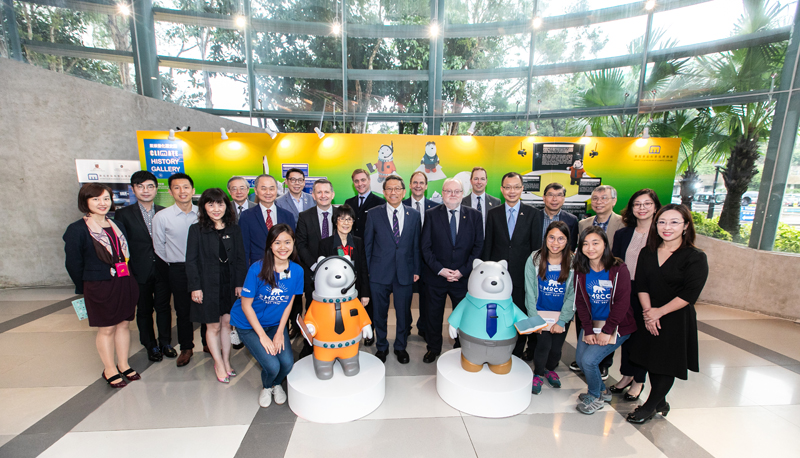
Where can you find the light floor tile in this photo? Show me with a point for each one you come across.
(782, 336)
(4, 439)
(144, 405)
(738, 431)
(765, 385)
(54, 294)
(704, 336)
(22, 407)
(217, 441)
(788, 413)
(722, 354)
(605, 433)
(708, 312)
(39, 343)
(11, 362)
(701, 391)
(412, 397)
(439, 437)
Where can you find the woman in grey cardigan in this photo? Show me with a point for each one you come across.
(550, 294)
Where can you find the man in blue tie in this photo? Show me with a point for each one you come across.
(452, 238)
(391, 241)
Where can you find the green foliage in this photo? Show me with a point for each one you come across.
(710, 227)
(787, 239)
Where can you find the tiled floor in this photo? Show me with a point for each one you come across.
(744, 402)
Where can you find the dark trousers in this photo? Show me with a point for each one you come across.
(547, 351)
(421, 288)
(434, 312)
(144, 316)
(177, 286)
(608, 361)
(402, 309)
(626, 367)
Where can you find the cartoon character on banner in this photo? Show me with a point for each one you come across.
(385, 165)
(335, 321)
(429, 164)
(487, 321)
(576, 172)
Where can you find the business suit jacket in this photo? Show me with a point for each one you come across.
(81, 259)
(622, 240)
(360, 223)
(527, 238)
(389, 261)
(491, 201)
(614, 224)
(140, 242)
(359, 258)
(439, 251)
(285, 202)
(308, 237)
(247, 205)
(254, 230)
(427, 205)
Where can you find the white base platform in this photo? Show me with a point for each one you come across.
(484, 393)
(340, 399)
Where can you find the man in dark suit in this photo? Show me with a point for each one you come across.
(257, 221)
(239, 190)
(554, 194)
(418, 201)
(362, 201)
(314, 224)
(513, 232)
(452, 238)
(138, 220)
(391, 240)
(478, 198)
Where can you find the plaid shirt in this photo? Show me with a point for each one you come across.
(148, 217)
(547, 221)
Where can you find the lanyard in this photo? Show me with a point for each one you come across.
(116, 244)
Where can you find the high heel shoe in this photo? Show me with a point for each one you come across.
(221, 380)
(640, 416)
(130, 374)
(114, 378)
(617, 390)
(628, 397)
(232, 373)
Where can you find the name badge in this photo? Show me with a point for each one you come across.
(284, 275)
(606, 283)
(554, 267)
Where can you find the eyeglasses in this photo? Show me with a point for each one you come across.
(643, 204)
(673, 223)
(451, 192)
(513, 188)
(149, 187)
(553, 195)
(394, 190)
(601, 199)
(552, 238)
(346, 220)
(295, 180)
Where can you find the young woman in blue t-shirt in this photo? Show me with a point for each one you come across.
(549, 288)
(603, 304)
(263, 311)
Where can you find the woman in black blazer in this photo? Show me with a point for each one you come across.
(96, 259)
(215, 271)
(628, 242)
(343, 242)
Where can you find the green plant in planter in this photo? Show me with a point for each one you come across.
(710, 227)
(788, 239)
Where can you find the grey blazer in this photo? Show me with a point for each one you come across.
(248, 204)
(285, 202)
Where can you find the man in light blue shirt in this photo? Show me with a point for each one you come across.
(296, 200)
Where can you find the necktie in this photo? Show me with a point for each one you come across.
(453, 226)
(491, 319)
(480, 209)
(269, 220)
(361, 201)
(421, 216)
(338, 326)
(240, 210)
(512, 221)
(325, 228)
(396, 228)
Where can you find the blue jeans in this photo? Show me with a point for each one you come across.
(274, 368)
(589, 358)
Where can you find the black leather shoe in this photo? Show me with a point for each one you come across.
(381, 355)
(640, 416)
(238, 346)
(169, 352)
(154, 354)
(604, 373)
(628, 397)
(457, 344)
(429, 357)
(402, 356)
(369, 342)
(527, 355)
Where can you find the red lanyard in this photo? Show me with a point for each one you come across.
(115, 243)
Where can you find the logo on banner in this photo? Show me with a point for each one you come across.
(163, 157)
(93, 177)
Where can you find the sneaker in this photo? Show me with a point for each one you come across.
(573, 366)
(590, 405)
(279, 394)
(604, 373)
(537, 384)
(265, 398)
(605, 396)
(552, 379)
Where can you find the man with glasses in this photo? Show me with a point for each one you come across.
(362, 201)
(513, 232)
(391, 241)
(239, 189)
(452, 237)
(138, 220)
(554, 195)
(479, 199)
(296, 200)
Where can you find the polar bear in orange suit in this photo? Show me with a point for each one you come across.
(336, 319)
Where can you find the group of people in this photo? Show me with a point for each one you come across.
(241, 269)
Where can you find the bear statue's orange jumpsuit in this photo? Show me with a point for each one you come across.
(337, 333)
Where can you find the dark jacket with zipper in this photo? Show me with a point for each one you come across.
(620, 312)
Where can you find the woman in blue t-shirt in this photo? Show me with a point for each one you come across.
(549, 288)
(262, 313)
(603, 304)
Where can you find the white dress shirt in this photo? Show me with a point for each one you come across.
(484, 208)
(421, 209)
(273, 213)
(401, 214)
(170, 231)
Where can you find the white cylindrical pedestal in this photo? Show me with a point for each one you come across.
(484, 393)
(340, 399)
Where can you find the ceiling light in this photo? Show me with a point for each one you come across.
(320, 133)
(124, 9)
(224, 133)
(646, 133)
(471, 129)
(240, 21)
(649, 5)
(532, 129)
(537, 22)
(588, 131)
(171, 134)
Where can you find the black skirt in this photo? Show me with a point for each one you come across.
(110, 302)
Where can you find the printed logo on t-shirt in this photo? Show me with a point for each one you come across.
(276, 295)
(600, 294)
(246, 290)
